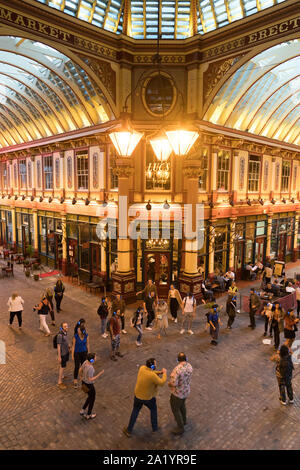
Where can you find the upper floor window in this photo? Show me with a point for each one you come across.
(22, 173)
(203, 170)
(82, 158)
(253, 173)
(223, 168)
(48, 172)
(285, 175)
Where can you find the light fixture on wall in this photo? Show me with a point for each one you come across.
(87, 201)
(23, 197)
(62, 199)
(41, 199)
(166, 205)
(16, 197)
(293, 200)
(9, 196)
(261, 201)
(273, 201)
(50, 199)
(231, 202)
(74, 200)
(284, 200)
(248, 202)
(148, 206)
(32, 198)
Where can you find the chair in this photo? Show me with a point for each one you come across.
(9, 272)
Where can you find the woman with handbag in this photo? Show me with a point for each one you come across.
(290, 328)
(86, 373)
(161, 312)
(174, 301)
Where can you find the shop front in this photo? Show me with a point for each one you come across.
(158, 259)
(25, 231)
(282, 236)
(250, 242)
(221, 245)
(85, 251)
(6, 231)
(50, 238)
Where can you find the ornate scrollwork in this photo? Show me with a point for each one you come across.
(215, 72)
(104, 71)
(123, 171)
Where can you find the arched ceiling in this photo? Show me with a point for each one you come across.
(263, 96)
(43, 93)
(177, 16)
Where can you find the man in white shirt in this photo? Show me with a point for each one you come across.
(289, 288)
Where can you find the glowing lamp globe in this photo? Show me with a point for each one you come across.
(161, 148)
(125, 141)
(181, 140)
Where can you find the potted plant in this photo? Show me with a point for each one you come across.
(36, 277)
(27, 272)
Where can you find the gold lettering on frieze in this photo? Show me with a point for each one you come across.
(34, 25)
(284, 27)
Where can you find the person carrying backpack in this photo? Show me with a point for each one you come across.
(188, 313)
(103, 311)
(214, 322)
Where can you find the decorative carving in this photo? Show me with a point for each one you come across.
(95, 170)
(242, 173)
(266, 175)
(165, 59)
(192, 172)
(215, 72)
(104, 71)
(57, 172)
(38, 173)
(277, 173)
(29, 171)
(123, 171)
(129, 287)
(69, 172)
(237, 144)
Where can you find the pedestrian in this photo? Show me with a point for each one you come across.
(188, 313)
(214, 322)
(119, 304)
(150, 286)
(103, 311)
(63, 350)
(59, 290)
(254, 304)
(137, 323)
(80, 349)
(115, 335)
(268, 315)
(43, 308)
(149, 309)
(174, 301)
(233, 289)
(277, 324)
(148, 380)
(290, 328)
(268, 273)
(284, 374)
(298, 299)
(78, 324)
(15, 307)
(49, 296)
(86, 373)
(161, 312)
(231, 310)
(179, 383)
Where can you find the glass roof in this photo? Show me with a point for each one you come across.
(43, 93)
(263, 96)
(177, 16)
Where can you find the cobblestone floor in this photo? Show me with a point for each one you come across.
(233, 404)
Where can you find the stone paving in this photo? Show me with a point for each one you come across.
(233, 404)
